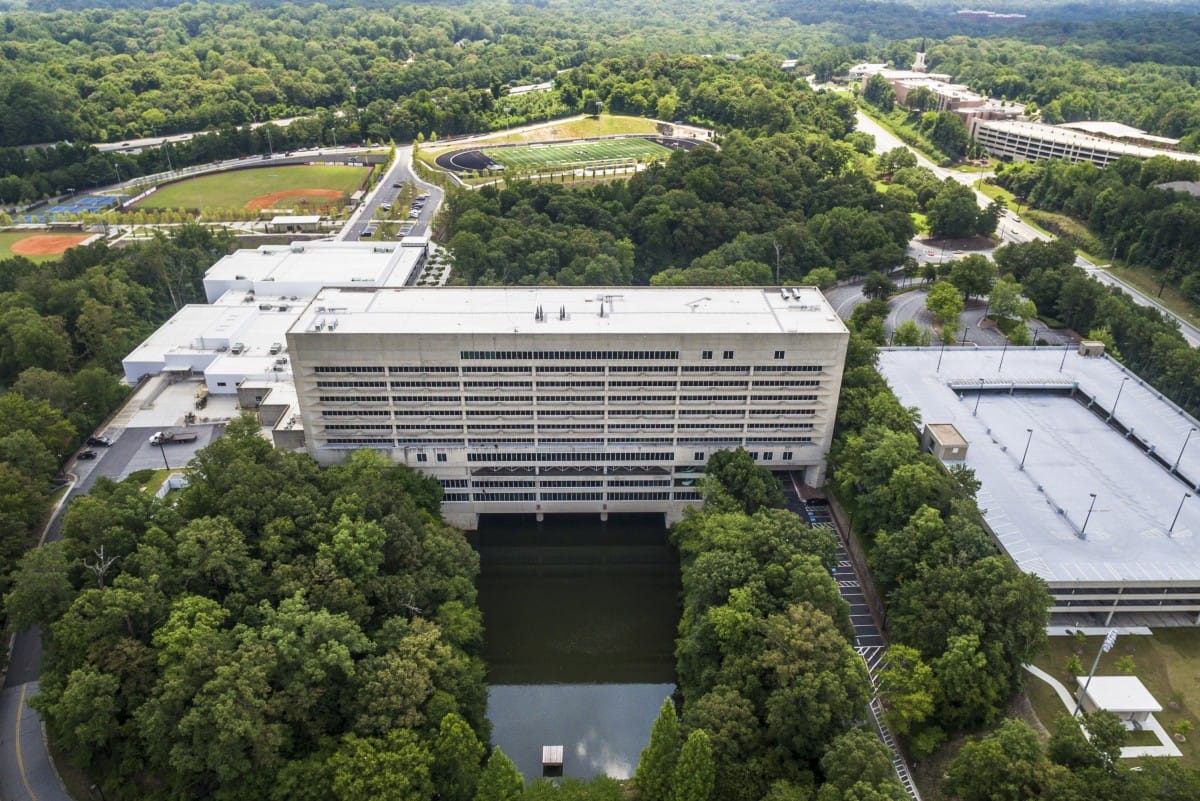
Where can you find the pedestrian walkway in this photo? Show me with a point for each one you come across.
(869, 642)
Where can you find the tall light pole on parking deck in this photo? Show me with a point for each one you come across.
(163, 451)
(978, 398)
(1191, 431)
(1186, 495)
(1083, 530)
(1028, 440)
(1120, 389)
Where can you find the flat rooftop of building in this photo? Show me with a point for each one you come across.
(296, 219)
(1119, 694)
(572, 310)
(321, 263)
(1038, 514)
(1066, 136)
(1116, 130)
(209, 327)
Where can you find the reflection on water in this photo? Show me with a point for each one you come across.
(602, 727)
(580, 623)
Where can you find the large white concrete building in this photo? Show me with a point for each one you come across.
(552, 400)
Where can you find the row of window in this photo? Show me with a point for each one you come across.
(462, 483)
(544, 385)
(532, 427)
(327, 369)
(569, 355)
(508, 497)
(550, 456)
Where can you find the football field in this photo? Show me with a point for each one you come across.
(552, 155)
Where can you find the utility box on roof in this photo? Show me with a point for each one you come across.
(944, 442)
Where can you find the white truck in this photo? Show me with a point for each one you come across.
(172, 437)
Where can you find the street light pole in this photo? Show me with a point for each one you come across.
(163, 451)
(1089, 514)
(1003, 353)
(1186, 495)
(941, 353)
(1028, 440)
(1066, 350)
(1117, 399)
(1191, 431)
(1109, 641)
(978, 398)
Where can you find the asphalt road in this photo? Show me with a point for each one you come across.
(401, 172)
(26, 773)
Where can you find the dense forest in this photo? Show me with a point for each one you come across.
(64, 328)
(274, 631)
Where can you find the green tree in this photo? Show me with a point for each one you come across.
(878, 285)
(973, 275)
(457, 759)
(1007, 765)
(747, 485)
(695, 772)
(822, 277)
(394, 768)
(953, 211)
(42, 586)
(656, 767)
(856, 765)
(909, 334)
(500, 779)
(879, 93)
(908, 688)
(946, 304)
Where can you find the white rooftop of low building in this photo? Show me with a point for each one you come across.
(1119, 694)
(296, 219)
(202, 337)
(1116, 130)
(1066, 136)
(315, 264)
(1038, 513)
(626, 310)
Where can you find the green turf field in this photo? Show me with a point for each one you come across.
(561, 154)
(236, 188)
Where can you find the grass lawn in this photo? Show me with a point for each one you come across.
(1167, 662)
(8, 238)
(236, 188)
(553, 156)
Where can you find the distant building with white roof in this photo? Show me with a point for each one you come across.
(557, 399)
(1032, 141)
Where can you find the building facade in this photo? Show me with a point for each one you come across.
(570, 400)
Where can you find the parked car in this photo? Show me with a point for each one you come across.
(368, 232)
(86, 455)
(102, 442)
(397, 185)
(414, 214)
(385, 206)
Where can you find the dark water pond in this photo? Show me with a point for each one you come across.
(580, 621)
